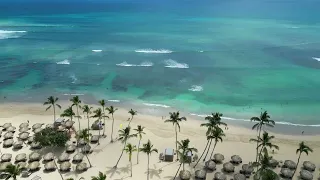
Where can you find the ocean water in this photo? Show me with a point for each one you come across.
(235, 57)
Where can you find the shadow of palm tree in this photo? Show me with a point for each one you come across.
(112, 171)
(154, 172)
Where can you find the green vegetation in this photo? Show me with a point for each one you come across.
(148, 149)
(124, 135)
(303, 148)
(101, 176)
(111, 111)
(103, 104)
(139, 133)
(184, 149)
(130, 149)
(50, 137)
(12, 171)
(52, 102)
(132, 113)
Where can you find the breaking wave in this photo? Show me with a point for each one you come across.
(96, 50)
(156, 105)
(316, 58)
(174, 64)
(196, 88)
(152, 51)
(143, 64)
(4, 34)
(66, 61)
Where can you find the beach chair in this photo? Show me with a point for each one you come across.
(168, 155)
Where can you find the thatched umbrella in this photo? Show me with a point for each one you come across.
(49, 126)
(68, 124)
(82, 142)
(236, 159)
(11, 129)
(219, 176)
(218, 158)
(289, 164)
(50, 166)
(24, 136)
(6, 125)
(185, 175)
(8, 143)
(200, 174)
(63, 157)
(239, 176)
(21, 157)
(22, 165)
(34, 166)
(61, 128)
(3, 166)
(6, 157)
(71, 148)
(246, 169)
(86, 149)
(274, 163)
(24, 129)
(24, 125)
(37, 125)
(8, 135)
(30, 139)
(77, 158)
(81, 167)
(48, 157)
(37, 130)
(286, 173)
(18, 144)
(34, 157)
(35, 145)
(94, 138)
(228, 167)
(210, 165)
(307, 165)
(306, 175)
(65, 166)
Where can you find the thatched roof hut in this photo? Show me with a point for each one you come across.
(18, 144)
(30, 139)
(200, 174)
(6, 125)
(65, 166)
(4, 165)
(228, 167)
(218, 158)
(7, 143)
(185, 175)
(24, 129)
(289, 164)
(24, 136)
(306, 175)
(210, 165)
(49, 126)
(274, 163)
(81, 167)
(8, 135)
(6, 157)
(236, 159)
(86, 149)
(239, 176)
(22, 165)
(246, 169)
(82, 142)
(35, 145)
(37, 125)
(37, 130)
(21, 157)
(286, 173)
(63, 157)
(307, 165)
(71, 148)
(68, 124)
(219, 176)
(78, 158)
(50, 166)
(34, 156)
(48, 157)
(34, 166)
(11, 129)
(24, 125)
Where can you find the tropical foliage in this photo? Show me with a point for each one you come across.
(132, 113)
(12, 171)
(111, 111)
(52, 102)
(303, 148)
(99, 115)
(87, 110)
(124, 135)
(148, 149)
(101, 176)
(51, 137)
(139, 132)
(130, 149)
(103, 104)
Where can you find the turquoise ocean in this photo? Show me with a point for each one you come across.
(235, 57)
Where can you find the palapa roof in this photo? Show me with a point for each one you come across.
(48, 157)
(68, 124)
(24, 125)
(24, 136)
(306, 175)
(11, 129)
(86, 149)
(49, 126)
(34, 156)
(94, 138)
(8, 135)
(4, 165)
(30, 139)
(37, 125)
(8, 143)
(286, 172)
(239, 176)
(34, 165)
(211, 165)
(236, 159)
(63, 157)
(78, 157)
(307, 165)
(24, 129)
(289, 164)
(23, 165)
(35, 145)
(247, 169)
(37, 130)
(218, 158)
(18, 144)
(71, 148)
(50, 166)
(219, 176)
(21, 157)
(65, 166)
(6, 157)
(200, 174)
(6, 125)
(228, 167)
(82, 167)
(185, 175)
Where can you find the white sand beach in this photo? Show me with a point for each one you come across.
(162, 135)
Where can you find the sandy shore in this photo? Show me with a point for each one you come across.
(105, 156)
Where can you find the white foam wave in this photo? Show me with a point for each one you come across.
(4, 34)
(152, 51)
(125, 64)
(144, 64)
(316, 58)
(196, 88)
(66, 61)
(156, 105)
(73, 94)
(96, 50)
(174, 64)
(201, 51)
(113, 100)
(74, 78)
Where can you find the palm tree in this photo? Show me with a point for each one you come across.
(101, 176)
(12, 171)
(148, 149)
(103, 104)
(86, 109)
(112, 110)
(264, 172)
(175, 119)
(263, 120)
(76, 102)
(52, 102)
(132, 113)
(129, 149)
(139, 133)
(303, 148)
(184, 149)
(99, 114)
(214, 121)
(85, 135)
(209, 137)
(124, 135)
(68, 113)
(217, 135)
(264, 142)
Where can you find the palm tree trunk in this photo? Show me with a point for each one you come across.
(202, 154)
(177, 171)
(54, 113)
(131, 167)
(176, 142)
(259, 156)
(57, 168)
(88, 123)
(258, 144)
(88, 159)
(205, 157)
(78, 118)
(297, 165)
(104, 122)
(125, 143)
(148, 168)
(112, 129)
(130, 121)
(215, 144)
(99, 135)
(138, 151)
